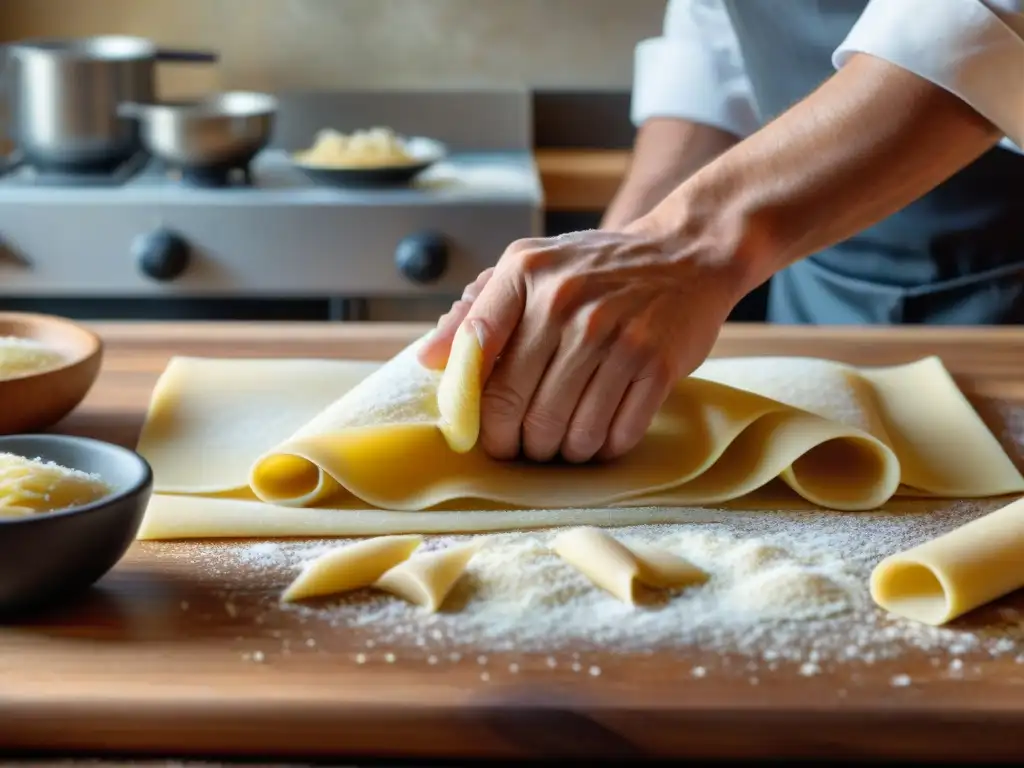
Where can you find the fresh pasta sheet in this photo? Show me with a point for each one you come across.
(259, 447)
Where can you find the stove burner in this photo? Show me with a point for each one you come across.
(215, 176)
(96, 168)
(25, 171)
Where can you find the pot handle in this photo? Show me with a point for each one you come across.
(187, 57)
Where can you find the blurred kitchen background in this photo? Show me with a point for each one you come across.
(561, 68)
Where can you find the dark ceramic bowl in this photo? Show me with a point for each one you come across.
(54, 556)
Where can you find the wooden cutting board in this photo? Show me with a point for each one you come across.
(153, 661)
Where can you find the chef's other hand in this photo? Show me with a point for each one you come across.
(583, 337)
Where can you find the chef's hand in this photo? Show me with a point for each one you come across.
(583, 337)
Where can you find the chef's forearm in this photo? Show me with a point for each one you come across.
(666, 152)
(868, 142)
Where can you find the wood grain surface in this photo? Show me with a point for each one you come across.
(128, 670)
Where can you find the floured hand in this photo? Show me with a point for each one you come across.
(583, 336)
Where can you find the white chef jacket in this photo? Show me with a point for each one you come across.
(972, 48)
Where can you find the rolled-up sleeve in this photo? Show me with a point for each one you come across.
(972, 48)
(694, 71)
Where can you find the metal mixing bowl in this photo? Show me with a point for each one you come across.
(227, 129)
(65, 93)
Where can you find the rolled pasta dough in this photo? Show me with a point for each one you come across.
(458, 397)
(617, 569)
(953, 574)
(188, 517)
(306, 442)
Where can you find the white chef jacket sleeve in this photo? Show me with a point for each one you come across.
(694, 71)
(972, 48)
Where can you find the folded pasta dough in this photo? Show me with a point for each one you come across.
(427, 579)
(953, 574)
(351, 567)
(387, 563)
(617, 569)
(335, 434)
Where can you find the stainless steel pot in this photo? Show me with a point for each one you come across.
(225, 130)
(64, 97)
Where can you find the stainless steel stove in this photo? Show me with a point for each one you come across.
(147, 238)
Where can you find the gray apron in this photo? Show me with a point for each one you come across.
(955, 256)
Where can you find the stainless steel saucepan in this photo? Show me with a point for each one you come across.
(223, 130)
(64, 97)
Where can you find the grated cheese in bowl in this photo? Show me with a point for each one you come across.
(33, 486)
(23, 357)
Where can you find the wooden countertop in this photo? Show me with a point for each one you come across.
(580, 179)
(129, 670)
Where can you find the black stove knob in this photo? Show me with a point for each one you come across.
(162, 255)
(422, 257)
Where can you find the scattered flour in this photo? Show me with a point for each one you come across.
(786, 586)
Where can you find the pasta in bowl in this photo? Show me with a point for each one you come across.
(373, 157)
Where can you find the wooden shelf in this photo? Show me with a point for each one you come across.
(580, 179)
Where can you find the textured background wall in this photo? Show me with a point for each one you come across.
(577, 44)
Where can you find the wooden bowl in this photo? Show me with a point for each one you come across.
(37, 401)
